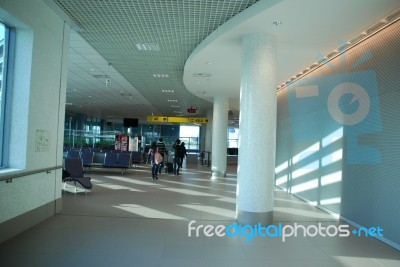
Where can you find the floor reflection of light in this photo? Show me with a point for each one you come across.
(147, 212)
(186, 184)
(71, 189)
(312, 214)
(211, 209)
(119, 187)
(227, 199)
(129, 180)
(188, 192)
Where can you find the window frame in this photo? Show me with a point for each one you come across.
(5, 105)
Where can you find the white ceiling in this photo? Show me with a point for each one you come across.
(103, 47)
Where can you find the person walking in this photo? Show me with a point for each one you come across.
(177, 156)
(162, 149)
(183, 153)
(155, 158)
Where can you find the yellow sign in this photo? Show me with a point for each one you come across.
(161, 119)
(157, 119)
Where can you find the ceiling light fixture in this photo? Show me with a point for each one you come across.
(160, 75)
(147, 46)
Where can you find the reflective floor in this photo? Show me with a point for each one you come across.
(131, 220)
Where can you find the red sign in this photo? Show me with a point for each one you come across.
(191, 110)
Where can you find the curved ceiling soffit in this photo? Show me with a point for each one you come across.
(201, 78)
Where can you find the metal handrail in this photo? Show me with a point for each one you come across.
(9, 177)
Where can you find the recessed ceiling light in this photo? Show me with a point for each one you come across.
(160, 75)
(147, 46)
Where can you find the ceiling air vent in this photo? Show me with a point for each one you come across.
(200, 75)
(99, 76)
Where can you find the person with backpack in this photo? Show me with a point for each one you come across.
(155, 158)
(177, 156)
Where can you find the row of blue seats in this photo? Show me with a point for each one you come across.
(108, 160)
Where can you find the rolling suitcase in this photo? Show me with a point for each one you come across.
(169, 167)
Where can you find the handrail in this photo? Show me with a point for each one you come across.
(8, 177)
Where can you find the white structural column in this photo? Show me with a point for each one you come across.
(208, 139)
(219, 137)
(257, 126)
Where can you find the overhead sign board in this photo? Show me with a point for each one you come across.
(161, 119)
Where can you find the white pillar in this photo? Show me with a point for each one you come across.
(257, 125)
(219, 137)
(209, 125)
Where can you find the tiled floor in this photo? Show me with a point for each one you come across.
(131, 220)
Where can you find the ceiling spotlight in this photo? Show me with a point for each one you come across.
(277, 23)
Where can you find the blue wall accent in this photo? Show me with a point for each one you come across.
(338, 135)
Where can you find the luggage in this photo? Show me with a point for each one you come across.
(169, 167)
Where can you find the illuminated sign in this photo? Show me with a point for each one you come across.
(161, 119)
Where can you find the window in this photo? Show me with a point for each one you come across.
(5, 55)
(190, 136)
(233, 137)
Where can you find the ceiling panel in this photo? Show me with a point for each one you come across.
(106, 37)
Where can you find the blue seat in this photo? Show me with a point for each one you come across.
(110, 160)
(87, 158)
(75, 173)
(73, 154)
(123, 161)
(136, 157)
(117, 160)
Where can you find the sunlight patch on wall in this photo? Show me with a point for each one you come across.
(305, 170)
(330, 201)
(332, 178)
(305, 186)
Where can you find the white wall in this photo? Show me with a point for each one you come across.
(38, 105)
